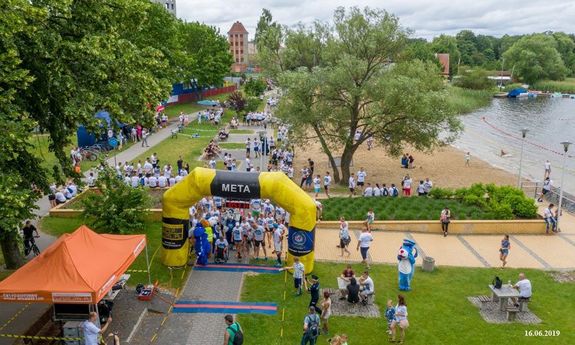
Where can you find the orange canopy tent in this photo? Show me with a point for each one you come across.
(79, 268)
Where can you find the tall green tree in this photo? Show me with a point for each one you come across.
(359, 89)
(534, 58)
(208, 54)
(21, 175)
(269, 39)
(418, 48)
(566, 48)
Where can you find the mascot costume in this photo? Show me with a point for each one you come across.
(202, 246)
(406, 265)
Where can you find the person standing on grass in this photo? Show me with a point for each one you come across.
(233, 331)
(363, 243)
(504, 250)
(279, 231)
(298, 275)
(445, 219)
(325, 311)
(344, 238)
(467, 159)
(326, 183)
(400, 319)
(314, 292)
(311, 324)
(351, 185)
(361, 175)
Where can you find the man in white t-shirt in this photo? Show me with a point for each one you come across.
(524, 287)
(361, 174)
(547, 169)
(363, 243)
(368, 192)
(298, 274)
(550, 219)
(162, 181)
(366, 286)
(153, 181)
(351, 185)
(279, 231)
(91, 331)
(326, 183)
(148, 167)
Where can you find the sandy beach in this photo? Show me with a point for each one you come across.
(445, 167)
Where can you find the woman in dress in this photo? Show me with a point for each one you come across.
(325, 311)
(400, 319)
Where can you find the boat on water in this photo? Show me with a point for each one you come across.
(556, 95)
(517, 93)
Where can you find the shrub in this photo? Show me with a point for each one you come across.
(440, 193)
(118, 208)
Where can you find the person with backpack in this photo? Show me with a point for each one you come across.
(310, 327)
(234, 334)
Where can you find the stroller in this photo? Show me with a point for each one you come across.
(222, 255)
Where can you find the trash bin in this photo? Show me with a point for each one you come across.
(428, 264)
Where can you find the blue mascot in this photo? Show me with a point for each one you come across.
(202, 246)
(406, 265)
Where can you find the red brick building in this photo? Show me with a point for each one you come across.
(444, 61)
(238, 40)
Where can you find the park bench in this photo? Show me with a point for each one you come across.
(483, 299)
(512, 313)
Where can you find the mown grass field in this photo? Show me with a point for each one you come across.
(387, 208)
(438, 310)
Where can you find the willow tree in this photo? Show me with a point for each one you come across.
(357, 87)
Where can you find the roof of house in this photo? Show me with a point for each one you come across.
(238, 28)
(444, 61)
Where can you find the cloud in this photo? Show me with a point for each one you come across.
(426, 18)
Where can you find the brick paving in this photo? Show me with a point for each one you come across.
(344, 308)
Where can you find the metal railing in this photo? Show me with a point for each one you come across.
(534, 189)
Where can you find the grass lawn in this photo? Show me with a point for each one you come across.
(463, 101)
(414, 208)
(438, 309)
(191, 107)
(232, 146)
(153, 232)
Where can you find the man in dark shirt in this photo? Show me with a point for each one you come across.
(29, 231)
(314, 291)
(180, 163)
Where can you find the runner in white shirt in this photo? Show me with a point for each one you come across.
(279, 231)
(364, 242)
(316, 185)
(135, 181)
(162, 181)
(361, 174)
(326, 183)
(351, 185)
(152, 181)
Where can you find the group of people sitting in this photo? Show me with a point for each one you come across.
(212, 150)
(355, 290)
(60, 194)
(257, 118)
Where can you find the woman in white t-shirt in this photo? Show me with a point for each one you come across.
(406, 185)
(399, 319)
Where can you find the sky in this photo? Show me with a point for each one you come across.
(427, 18)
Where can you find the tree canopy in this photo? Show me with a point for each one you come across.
(357, 87)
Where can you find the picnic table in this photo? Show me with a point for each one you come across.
(503, 294)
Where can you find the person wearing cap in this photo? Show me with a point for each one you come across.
(314, 291)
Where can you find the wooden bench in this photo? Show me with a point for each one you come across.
(483, 299)
(512, 313)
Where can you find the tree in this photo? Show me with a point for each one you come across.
(116, 207)
(269, 39)
(418, 48)
(566, 48)
(21, 178)
(208, 52)
(359, 89)
(467, 46)
(534, 58)
(475, 79)
(237, 102)
(255, 87)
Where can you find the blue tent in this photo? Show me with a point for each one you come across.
(85, 138)
(516, 92)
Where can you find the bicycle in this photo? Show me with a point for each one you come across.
(89, 154)
(32, 247)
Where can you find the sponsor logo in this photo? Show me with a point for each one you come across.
(235, 188)
(300, 242)
(139, 247)
(21, 297)
(71, 297)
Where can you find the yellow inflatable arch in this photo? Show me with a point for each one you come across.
(275, 186)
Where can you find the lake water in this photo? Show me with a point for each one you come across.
(498, 127)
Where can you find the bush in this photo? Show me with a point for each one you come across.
(474, 79)
(117, 208)
(255, 87)
(441, 193)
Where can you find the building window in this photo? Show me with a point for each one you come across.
(167, 6)
(236, 43)
(172, 6)
(237, 60)
(242, 59)
(242, 52)
(237, 52)
(241, 36)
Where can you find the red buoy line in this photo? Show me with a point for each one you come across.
(519, 138)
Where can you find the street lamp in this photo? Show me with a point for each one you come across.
(565, 149)
(523, 134)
